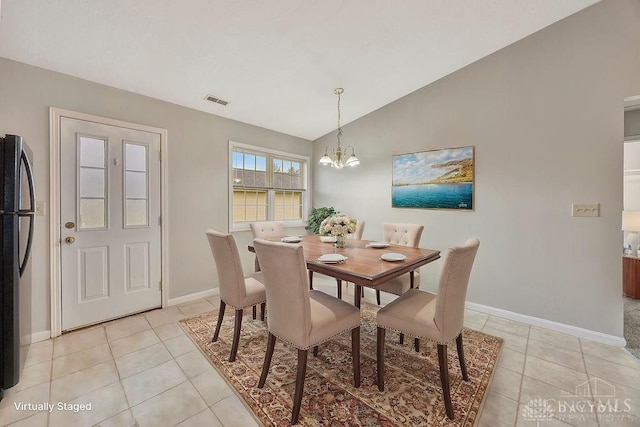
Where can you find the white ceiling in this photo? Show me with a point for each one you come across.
(276, 61)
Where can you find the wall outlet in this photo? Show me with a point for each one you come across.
(585, 210)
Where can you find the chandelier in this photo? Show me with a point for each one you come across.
(337, 156)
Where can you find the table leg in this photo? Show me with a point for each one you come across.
(356, 297)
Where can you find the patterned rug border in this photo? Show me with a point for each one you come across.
(412, 396)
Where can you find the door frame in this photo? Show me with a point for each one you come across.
(55, 240)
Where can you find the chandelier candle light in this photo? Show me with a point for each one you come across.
(336, 159)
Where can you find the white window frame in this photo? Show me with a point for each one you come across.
(304, 173)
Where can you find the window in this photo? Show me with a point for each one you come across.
(266, 185)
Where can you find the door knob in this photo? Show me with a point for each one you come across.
(70, 240)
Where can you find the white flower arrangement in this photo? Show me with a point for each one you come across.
(338, 225)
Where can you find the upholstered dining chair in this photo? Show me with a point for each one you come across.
(299, 316)
(438, 318)
(406, 235)
(236, 290)
(266, 230)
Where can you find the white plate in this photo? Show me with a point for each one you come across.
(378, 245)
(332, 258)
(392, 256)
(291, 239)
(327, 239)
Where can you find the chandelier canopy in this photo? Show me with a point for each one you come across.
(335, 157)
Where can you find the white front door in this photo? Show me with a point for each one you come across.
(110, 222)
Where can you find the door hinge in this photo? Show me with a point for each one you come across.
(160, 283)
(160, 220)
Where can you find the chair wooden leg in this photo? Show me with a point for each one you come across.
(254, 310)
(263, 307)
(297, 397)
(236, 335)
(355, 355)
(463, 366)
(223, 305)
(357, 297)
(310, 279)
(416, 344)
(378, 296)
(271, 343)
(380, 357)
(339, 288)
(401, 338)
(315, 351)
(444, 379)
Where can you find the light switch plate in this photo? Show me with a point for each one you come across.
(585, 210)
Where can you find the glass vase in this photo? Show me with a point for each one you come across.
(341, 241)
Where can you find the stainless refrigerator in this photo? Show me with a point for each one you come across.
(17, 206)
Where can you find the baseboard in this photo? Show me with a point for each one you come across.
(40, 336)
(548, 324)
(193, 297)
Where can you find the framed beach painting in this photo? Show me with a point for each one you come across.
(435, 179)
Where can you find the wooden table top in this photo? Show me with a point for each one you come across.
(363, 265)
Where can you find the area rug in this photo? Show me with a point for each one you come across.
(412, 396)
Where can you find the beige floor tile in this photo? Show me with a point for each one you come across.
(141, 360)
(152, 382)
(506, 383)
(197, 307)
(78, 341)
(232, 413)
(126, 326)
(169, 331)
(39, 420)
(193, 363)
(554, 374)
(555, 354)
(33, 395)
(533, 389)
(104, 403)
(618, 420)
(123, 419)
(179, 345)
(214, 300)
(133, 343)
(163, 316)
(204, 418)
(475, 318)
(556, 338)
(628, 398)
(171, 407)
(65, 365)
(515, 328)
(511, 341)
(498, 411)
(511, 359)
(39, 352)
(613, 372)
(79, 383)
(537, 417)
(34, 375)
(212, 387)
(610, 353)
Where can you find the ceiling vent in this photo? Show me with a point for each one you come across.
(216, 100)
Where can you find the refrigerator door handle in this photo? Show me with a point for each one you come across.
(30, 213)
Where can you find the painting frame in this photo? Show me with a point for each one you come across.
(438, 179)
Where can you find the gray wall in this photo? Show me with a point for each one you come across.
(197, 167)
(546, 117)
(632, 123)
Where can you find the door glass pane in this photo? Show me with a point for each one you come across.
(91, 182)
(92, 152)
(136, 213)
(92, 213)
(136, 185)
(136, 156)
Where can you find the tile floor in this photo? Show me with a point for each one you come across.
(144, 371)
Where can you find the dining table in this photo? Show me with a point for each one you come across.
(364, 262)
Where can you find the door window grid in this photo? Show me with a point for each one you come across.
(136, 177)
(92, 183)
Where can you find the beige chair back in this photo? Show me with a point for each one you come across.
(359, 230)
(452, 288)
(287, 288)
(402, 234)
(230, 273)
(267, 229)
